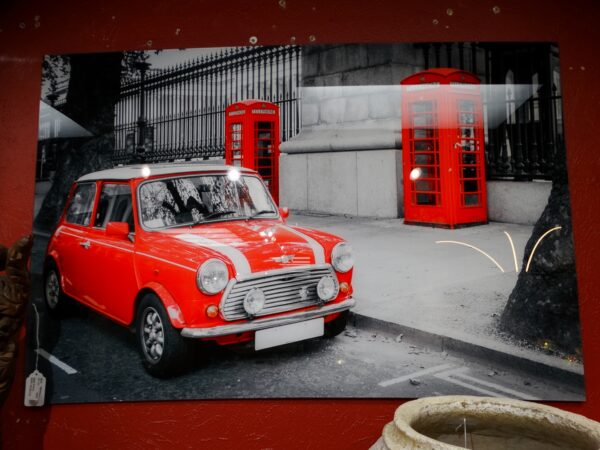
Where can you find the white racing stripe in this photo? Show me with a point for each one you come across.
(314, 245)
(240, 262)
(57, 362)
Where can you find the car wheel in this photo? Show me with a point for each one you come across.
(164, 352)
(337, 325)
(53, 295)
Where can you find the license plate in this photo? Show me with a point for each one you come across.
(272, 337)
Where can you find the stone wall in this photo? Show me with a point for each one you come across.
(360, 64)
(355, 183)
(369, 184)
(517, 201)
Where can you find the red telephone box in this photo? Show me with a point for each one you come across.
(443, 154)
(252, 140)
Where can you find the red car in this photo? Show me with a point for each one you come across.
(193, 251)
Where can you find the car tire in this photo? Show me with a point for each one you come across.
(54, 298)
(164, 351)
(337, 325)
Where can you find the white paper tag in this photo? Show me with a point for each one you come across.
(35, 389)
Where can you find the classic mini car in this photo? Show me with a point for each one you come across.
(191, 251)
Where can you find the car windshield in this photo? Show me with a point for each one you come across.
(196, 199)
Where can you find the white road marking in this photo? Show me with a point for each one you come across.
(417, 374)
(57, 362)
(468, 386)
(467, 380)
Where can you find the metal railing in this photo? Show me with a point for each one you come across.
(523, 145)
(179, 112)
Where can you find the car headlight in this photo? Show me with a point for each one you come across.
(327, 288)
(341, 257)
(212, 277)
(254, 301)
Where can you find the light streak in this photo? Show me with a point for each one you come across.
(474, 248)
(512, 246)
(536, 245)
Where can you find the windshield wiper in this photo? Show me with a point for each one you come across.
(217, 214)
(258, 213)
(209, 216)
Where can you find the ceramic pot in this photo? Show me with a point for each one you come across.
(438, 423)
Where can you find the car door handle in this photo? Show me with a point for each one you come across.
(85, 244)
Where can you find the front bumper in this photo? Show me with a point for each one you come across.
(261, 324)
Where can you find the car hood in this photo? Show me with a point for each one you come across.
(250, 246)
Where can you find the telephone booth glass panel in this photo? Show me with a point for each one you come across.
(235, 144)
(424, 150)
(263, 139)
(468, 155)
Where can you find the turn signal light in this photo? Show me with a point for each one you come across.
(344, 287)
(212, 311)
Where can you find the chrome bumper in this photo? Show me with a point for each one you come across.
(261, 324)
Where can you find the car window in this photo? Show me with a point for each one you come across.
(82, 203)
(196, 199)
(114, 205)
(256, 192)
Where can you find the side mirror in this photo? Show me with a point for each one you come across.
(284, 212)
(117, 229)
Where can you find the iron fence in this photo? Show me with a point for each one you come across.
(523, 147)
(179, 112)
(522, 144)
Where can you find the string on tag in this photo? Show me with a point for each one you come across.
(35, 383)
(37, 336)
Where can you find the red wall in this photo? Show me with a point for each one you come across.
(73, 26)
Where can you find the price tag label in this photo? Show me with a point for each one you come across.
(35, 389)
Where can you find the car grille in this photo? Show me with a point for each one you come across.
(282, 291)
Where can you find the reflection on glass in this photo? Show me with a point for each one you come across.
(418, 107)
(423, 120)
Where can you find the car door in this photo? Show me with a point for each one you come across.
(112, 284)
(73, 240)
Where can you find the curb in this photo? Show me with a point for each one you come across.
(446, 343)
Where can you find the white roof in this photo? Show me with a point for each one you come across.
(135, 171)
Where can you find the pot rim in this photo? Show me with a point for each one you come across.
(411, 412)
